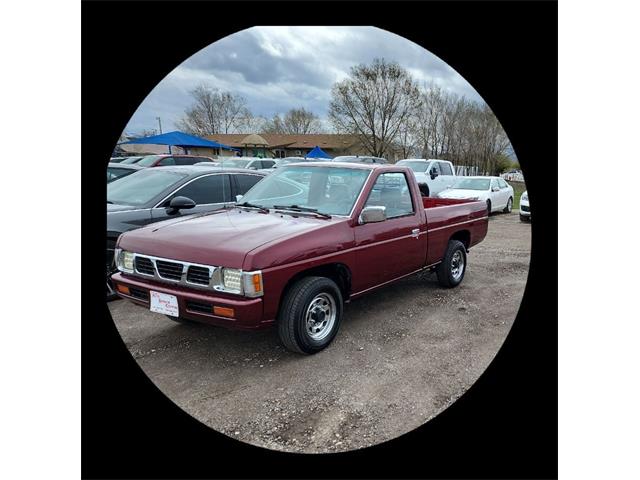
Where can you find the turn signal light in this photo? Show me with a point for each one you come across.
(123, 289)
(223, 312)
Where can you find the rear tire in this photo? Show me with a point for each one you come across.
(310, 315)
(451, 270)
(507, 209)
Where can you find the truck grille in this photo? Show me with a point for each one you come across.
(199, 275)
(169, 270)
(143, 265)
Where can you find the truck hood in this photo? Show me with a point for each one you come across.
(221, 238)
(458, 193)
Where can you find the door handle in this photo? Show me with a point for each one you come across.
(415, 232)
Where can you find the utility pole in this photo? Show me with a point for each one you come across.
(159, 124)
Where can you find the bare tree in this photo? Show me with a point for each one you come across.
(213, 112)
(297, 121)
(375, 103)
(251, 124)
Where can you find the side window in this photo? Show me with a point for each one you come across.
(188, 160)
(167, 161)
(245, 182)
(445, 168)
(267, 163)
(494, 184)
(391, 191)
(502, 183)
(434, 168)
(209, 189)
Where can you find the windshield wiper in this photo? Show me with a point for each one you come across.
(251, 205)
(298, 208)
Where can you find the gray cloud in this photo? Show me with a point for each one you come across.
(278, 68)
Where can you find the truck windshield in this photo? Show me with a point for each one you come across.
(328, 190)
(472, 184)
(141, 187)
(416, 166)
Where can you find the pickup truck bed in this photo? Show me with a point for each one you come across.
(294, 267)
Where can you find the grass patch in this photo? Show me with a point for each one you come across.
(518, 188)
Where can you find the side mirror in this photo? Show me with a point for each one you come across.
(495, 189)
(372, 215)
(179, 203)
(433, 174)
(238, 198)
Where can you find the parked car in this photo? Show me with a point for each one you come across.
(291, 253)
(281, 162)
(208, 164)
(154, 194)
(132, 160)
(360, 159)
(433, 175)
(251, 163)
(119, 159)
(494, 191)
(168, 160)
(117, 170)
(525, 212)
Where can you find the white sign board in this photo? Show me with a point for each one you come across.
(164, 303)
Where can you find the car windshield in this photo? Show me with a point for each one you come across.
(141, 187)
(472, 184)
(235, 163)
(147, 161)
(115, 172)
(328, 190)
(416, 166)
(286, 161)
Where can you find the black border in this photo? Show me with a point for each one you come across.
(505, 426)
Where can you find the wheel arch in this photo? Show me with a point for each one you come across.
(463, 236)
(340, 273)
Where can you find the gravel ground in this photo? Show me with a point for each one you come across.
(403, 354)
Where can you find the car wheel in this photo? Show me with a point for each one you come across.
(507, 209)
(488, 207)
(451, 270)
(424, 189)
(524, 218)
(310, 315)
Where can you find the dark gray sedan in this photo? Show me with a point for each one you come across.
(155, 194)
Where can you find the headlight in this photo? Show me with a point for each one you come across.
(232, 280)
(236, 281)
(124, 260)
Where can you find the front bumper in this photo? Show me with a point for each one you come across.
(524, 210)
(197, 305)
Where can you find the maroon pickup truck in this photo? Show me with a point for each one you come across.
(299, 244)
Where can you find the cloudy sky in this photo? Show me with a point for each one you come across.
(278, 68)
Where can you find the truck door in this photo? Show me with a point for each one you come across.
(446, 175)
(391, 248)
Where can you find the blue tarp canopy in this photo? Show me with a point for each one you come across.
(317, 152)
(179, 139)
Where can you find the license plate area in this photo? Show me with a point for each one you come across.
(163, 303)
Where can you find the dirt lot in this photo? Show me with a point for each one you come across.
(403, 354)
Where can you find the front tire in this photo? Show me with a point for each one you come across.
(488, 208)
(451, 270)
(310, 315)
(507, 209)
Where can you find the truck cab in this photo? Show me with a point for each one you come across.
(433, 175)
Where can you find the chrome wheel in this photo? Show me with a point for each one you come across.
(457, 265)
(320, 316)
